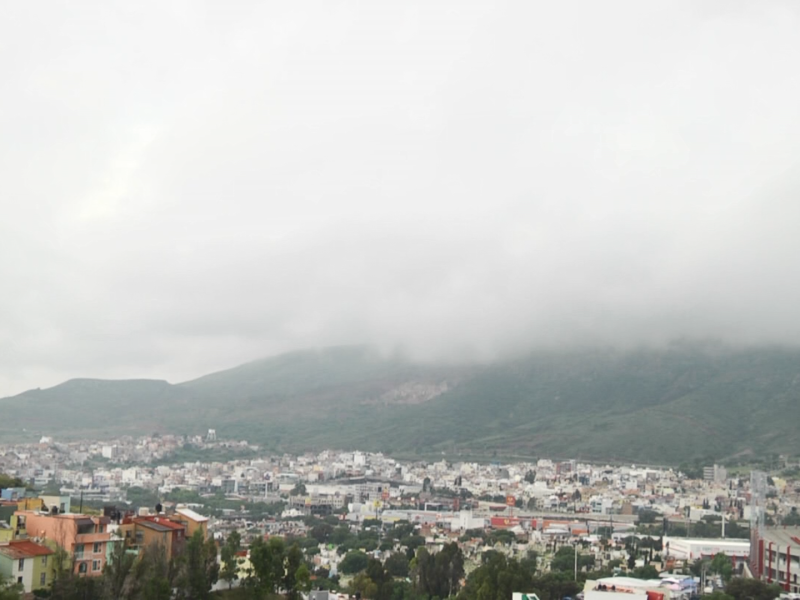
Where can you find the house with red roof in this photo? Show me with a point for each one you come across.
(27, 563)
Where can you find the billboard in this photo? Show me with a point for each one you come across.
(503, 522)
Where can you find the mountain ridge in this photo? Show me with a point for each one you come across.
(663, 405)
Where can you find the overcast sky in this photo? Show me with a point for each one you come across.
(190, 185)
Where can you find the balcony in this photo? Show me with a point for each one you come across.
(91, 538)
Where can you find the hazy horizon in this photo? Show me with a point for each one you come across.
(191, 186)
(712, 347)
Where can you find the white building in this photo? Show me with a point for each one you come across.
(466, 521)
(692, 549)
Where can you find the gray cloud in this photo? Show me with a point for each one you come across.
(186, 186)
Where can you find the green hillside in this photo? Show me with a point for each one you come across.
(669, 405)
(90, 406)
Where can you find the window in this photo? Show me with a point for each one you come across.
(97, 548)
(79, 551)
(21, 564)
(43, 579)
(19, 580)
(82, 568)
(95, 565)
(44, 561)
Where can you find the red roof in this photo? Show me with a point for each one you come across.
(24, 549)
(163, 521)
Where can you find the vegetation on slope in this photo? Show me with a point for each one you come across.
(683, 402)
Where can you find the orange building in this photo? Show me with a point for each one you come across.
(85, 538)
(140, 532)
(191, 520)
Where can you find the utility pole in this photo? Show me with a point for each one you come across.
(575, 548)
(688, 520)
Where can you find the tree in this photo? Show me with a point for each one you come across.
(632, 546)
(531, 561)
(8, 589)
(62, 564)
(230, 561)
(267, 560)
(412, 542)
(554, 586)
(74, 587)
(503, 536)
(294, 560)
(402, 529)
(302, 578)
(752, 589)
(645, 572)
(321, 532)
(7, 481)
(564, 560)
(648, 516)
(397, 565)
(692, 471)
(299, 489)
(340, 535)
(403, 590)
(497, 578)
(449, 569)
(381, 578)
(438, 576)
(721, 565)
(138, 496)
(696, 567)
(117, 570)
(422, 570)
(362, 585)
(199, 569)
(151, 576)
(353, 562)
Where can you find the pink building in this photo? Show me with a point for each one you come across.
(85, 538)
